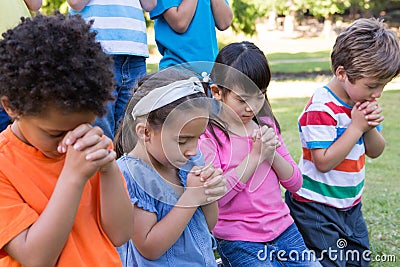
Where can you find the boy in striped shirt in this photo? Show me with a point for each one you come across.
(339, 126)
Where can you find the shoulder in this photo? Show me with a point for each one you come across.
(162, 6)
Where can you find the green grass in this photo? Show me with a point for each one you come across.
(299, 62)
(300, 55)
(381, 198)
(152, 67)
(299, 67)
(279, 62)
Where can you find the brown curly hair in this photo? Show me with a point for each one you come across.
(54, 61)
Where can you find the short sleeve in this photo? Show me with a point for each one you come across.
(317, 126)
(16, 215)
(137, 194)
(162, 6)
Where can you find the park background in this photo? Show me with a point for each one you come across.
(297, 37)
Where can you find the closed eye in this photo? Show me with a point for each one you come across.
(57, 135)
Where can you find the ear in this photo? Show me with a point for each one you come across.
(216, 91)
(5, 102)
(340, 73)
(143, 132)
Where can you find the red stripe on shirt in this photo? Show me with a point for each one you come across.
(338, 109)
(317, 118)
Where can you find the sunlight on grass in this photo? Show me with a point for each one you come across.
(300, 55)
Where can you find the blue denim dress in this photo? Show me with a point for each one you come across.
(149, 191)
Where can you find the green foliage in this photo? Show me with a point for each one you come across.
(245, 13)
(326, 8)
(49, 6)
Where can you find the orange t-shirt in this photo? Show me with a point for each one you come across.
(27, 180)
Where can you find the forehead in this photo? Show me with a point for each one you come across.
(373, 81)
(176, 120)
(247, 92)
(55, 119)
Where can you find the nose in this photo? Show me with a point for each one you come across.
(377, 93)
(191, 152)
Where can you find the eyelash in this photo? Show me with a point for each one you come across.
(56, 135)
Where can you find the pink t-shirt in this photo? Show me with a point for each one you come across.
(254, 211)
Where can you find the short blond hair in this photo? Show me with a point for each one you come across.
(367, 49)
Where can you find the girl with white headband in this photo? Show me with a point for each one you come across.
(174, 201)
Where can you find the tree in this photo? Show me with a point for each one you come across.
(49, 6)
(245, 14)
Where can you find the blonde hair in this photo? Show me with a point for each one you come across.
(367, 49)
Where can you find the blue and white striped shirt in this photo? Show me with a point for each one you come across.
(120, 26)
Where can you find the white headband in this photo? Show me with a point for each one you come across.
(165, 95)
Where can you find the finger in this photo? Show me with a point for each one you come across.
(215, 191)
(371, 108)
(264, 129)
(71, 137)
(214, 181)
(111, 155)
(207, 173)
(269, 135)
(361, 106)
(196, 170)
(88, 141)
(98, 154)
(77, 133)
(104, 143)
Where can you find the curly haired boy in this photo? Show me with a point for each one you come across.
(63, 201)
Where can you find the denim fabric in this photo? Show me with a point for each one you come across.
(4, 119)
(128, 70)
(338, 237)
(286, 250)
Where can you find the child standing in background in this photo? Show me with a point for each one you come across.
(338, 128)
(121, 30)
(10, 15)
(185, 29)
(174, 201)
(63, 201)
(254, 223)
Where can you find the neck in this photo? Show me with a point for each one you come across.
(169, 174)
(15, 129)
(336, 87)
(237, 127)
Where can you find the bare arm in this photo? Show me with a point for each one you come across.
(34, 5)
(116, 207)
(41, 244)
(148, 5)
(153, 238)
(222, 14)
(327, 159)
(373, 139)
(179, 18)
(374, 143)
(77, 5)
(211, 213)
